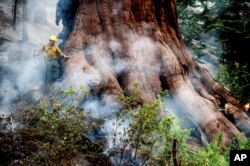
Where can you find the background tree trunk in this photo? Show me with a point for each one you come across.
(25, 19)
(145, 36)
(14, 10)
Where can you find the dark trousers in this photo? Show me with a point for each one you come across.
(52, 72)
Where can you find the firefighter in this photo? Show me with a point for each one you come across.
(51, 51)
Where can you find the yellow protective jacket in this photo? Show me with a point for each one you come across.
(52, 51)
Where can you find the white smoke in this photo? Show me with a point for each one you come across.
(25, 73)
(143, 50)
(116, 131)
(99, 108)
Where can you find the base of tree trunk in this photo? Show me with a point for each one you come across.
(116, 44)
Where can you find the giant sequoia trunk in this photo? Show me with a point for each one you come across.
(142, 37)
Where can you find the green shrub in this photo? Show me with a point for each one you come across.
(236, 80)
(53, 132)
(50, 132)
(149, 139)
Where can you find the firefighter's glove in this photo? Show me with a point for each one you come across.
(66, 57)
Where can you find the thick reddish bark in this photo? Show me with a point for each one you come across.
(145, 36)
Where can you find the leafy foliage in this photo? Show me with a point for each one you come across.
(51, 132)
(236, 79)
(220, 29)
(148, 139)
(210, 156)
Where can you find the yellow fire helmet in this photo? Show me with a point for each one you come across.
(53, 38)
